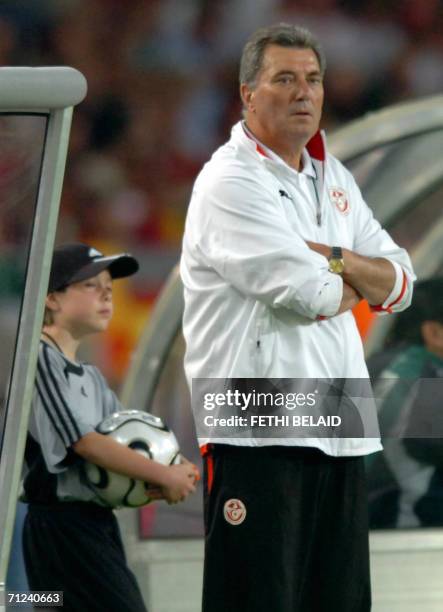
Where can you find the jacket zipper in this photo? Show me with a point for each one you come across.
(258, 351)
(317, 198)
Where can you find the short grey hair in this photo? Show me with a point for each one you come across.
(282, 34)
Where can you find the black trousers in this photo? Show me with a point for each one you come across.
(77, 548)
(296, 539)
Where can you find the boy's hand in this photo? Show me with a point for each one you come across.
(154, 493)
(180, 482)
(185, 461)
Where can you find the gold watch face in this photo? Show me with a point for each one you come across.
(336, 266)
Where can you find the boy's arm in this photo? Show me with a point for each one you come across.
(175, 481)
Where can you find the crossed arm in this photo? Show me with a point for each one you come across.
(277, 269)
(363, 277)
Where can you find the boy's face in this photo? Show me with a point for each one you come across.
(85, 307)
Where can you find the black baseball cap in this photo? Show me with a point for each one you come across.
(75, 262)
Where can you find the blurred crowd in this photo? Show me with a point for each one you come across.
(163, 93)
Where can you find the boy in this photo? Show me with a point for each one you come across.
(71, 541)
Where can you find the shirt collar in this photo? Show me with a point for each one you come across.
(265, 151)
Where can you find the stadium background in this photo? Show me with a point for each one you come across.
(163, 93)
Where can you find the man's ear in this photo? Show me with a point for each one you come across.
(247, 96)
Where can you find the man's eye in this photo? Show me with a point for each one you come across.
(284, 79)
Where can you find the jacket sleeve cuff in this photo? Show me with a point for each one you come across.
(329, 298)
(395, 299)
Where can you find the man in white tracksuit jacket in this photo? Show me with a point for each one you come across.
(266, 296)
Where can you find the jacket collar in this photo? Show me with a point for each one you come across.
(316, 147)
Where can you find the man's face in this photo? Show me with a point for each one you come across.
(286, 103)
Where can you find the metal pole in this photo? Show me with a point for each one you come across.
(31, 319)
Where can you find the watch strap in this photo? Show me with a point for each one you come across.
(336, 253)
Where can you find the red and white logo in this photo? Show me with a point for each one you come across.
(339, 197)
(234, 511)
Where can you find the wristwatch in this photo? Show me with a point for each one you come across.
(336, 261)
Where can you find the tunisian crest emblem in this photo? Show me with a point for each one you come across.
(339, 197)
(234, 511)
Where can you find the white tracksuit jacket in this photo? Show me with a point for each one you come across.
(255, 293)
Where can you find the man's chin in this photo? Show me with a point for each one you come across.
(303, 132)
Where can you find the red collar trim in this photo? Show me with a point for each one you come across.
(316, 147)
(261, 150)
(258, 147)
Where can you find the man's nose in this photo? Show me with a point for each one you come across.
(301, 90)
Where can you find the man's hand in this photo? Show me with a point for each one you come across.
(372, 277)
(323, 249)
(350, 299)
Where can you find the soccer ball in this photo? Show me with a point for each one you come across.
(145, 433)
